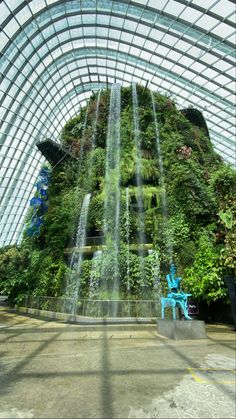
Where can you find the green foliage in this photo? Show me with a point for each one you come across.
(60, 221)
(95, 217)
(151, 195)
(101, 130)
(14, 279)
(223, 182)
(180, 228)
(73, 129)
(228, 252)
(204, 277)
(199, 223)
(227, 218)
(85, 278)
(195, 198)
(149, 170)
(98, 161)
(50, 276)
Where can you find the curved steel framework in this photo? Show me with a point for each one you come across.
(54, 52)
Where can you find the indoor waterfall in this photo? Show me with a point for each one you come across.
(82, 141)
(137, 140)
(95, 275)
(112, 196)
(168, 235)
(127, 228)
(73, 287)
(94, 136)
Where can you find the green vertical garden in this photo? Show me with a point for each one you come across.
(188, 210)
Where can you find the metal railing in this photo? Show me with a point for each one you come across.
(95, 308)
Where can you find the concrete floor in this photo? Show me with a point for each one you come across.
(58, 370)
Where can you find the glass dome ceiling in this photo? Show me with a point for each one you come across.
(54, 53)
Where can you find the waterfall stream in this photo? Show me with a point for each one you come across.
(96, 121)
(112, 194)
(77, 256)
(95, 274)
(93, 142)
(82, 141)
(137, 140)
(127, 228)
(168, 234)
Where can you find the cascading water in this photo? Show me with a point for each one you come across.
(169, 245)
(96, 121)
(94, 136)
(137, 140)
(77, 256)
(95, 274)
(155, 271)
(80, 169)
(112, 196)
(127, 228)
(81, 155)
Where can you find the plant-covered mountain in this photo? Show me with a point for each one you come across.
(156, 192)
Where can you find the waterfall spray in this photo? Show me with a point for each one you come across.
(112, 193)
(82, 141)
(95, 274)
(96, 121)
(94, 137)
(127, 227)
(77, 256)
(137, 139)
(169, 245)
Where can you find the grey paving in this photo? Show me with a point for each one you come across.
(58, 370)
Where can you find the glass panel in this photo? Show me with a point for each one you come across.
(103, 20)
(13, 4)
(129, 25)
(220, 8)
(223, 30)
(207, 22)
(232, 38)
(174, 5)
(75, 20)
(204, 3)
(37, 5)
(11, 28)
(5, 12)
(23, 15)
(89, 19)
(3, 40)
(133, 10)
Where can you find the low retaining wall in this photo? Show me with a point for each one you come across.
(70, 318)
(95, 308)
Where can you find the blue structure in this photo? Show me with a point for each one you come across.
(175, 297)
(39, 203)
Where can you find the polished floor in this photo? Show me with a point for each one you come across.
(58, 370)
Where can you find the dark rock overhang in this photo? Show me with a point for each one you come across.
(53, 152)
(196, 118)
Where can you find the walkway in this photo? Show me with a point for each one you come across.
(58, 370)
